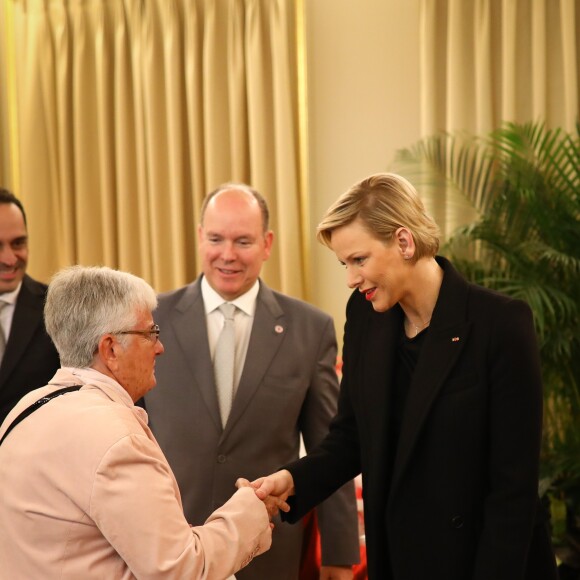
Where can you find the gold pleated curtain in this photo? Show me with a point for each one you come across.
(6, 102)
(484, 62)
(130, 111)
(488, 61)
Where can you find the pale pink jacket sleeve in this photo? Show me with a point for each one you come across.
(135, 503)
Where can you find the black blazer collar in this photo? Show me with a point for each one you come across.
(444, 342)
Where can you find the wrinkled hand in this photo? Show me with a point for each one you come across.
(272, 503)
(336, 573)
(273, 490)
(280, 484)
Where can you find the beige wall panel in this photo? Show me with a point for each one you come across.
(363, 83)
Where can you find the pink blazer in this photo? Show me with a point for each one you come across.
(86, 492)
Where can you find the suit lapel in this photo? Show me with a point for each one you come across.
(445, 340)
(378, 359)
(27, 318)
(189, 324)
(377, 363)
(268, 333)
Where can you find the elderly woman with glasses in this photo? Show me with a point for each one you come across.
(85, 490)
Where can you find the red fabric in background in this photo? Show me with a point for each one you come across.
(310, 564)
(311, 556)
(311, 553)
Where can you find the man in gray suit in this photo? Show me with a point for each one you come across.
(284, 385)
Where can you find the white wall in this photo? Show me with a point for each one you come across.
(363, 85)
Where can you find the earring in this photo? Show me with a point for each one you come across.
(405, 257)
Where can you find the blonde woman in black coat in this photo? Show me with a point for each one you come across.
(440, 406)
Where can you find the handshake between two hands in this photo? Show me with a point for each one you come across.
(273, 490)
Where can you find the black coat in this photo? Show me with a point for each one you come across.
(462, 495)
(30, 359)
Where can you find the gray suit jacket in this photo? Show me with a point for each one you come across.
(288, 386)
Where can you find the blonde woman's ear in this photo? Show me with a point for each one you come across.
(406, 244)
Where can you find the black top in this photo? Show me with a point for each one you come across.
(408, 351)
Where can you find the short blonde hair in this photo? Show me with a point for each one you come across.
(383, 203)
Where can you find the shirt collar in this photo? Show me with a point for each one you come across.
(66, 376)
(246, 302)
(11, 297)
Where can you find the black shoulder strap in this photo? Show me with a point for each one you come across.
(36, 405)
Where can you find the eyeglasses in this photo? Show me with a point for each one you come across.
(153, 333)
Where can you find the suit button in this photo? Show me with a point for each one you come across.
(221, 458)
(457, 522)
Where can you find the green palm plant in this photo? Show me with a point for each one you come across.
(523, 181)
